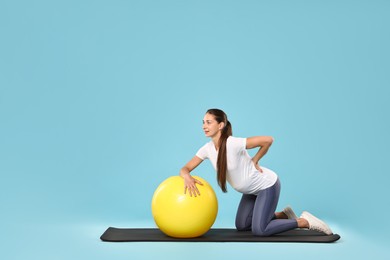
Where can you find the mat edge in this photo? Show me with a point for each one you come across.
(336, 238)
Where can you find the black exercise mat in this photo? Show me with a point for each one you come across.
(215, 235)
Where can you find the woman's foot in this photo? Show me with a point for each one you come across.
(316, 224)
(288, 211)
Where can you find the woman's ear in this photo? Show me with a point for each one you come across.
(221, 125)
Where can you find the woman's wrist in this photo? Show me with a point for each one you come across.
(185, 174)
(255, 159)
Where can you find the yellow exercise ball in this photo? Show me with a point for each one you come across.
(180, 215)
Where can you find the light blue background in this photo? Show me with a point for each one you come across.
(100, 101)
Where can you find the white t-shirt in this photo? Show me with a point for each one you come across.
(241, 174)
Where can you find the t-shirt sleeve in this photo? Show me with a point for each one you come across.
(202, 152)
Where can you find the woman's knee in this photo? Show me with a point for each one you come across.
(242, 226)
(260, 232)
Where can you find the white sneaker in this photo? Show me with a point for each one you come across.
(290, 213)
(316, 223)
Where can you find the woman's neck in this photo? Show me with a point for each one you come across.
(215, 140)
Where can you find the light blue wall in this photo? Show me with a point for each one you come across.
(102, 100)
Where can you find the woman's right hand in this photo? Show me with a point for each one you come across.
(190, 185)
(189, 181)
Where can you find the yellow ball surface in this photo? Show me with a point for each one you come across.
(180, 215)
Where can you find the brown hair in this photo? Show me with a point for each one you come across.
(220, 117)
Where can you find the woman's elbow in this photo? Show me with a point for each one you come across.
(270, 140)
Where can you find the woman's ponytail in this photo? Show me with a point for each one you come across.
(220, 116)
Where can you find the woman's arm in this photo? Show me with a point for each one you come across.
(189, 181)
(264, 142)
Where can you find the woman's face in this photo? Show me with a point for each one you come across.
(211, 127)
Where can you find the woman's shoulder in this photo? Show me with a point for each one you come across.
(236, 138)
(236, 141)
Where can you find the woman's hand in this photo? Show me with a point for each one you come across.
(190, 185)
(264, 142)
(257, 166)
(189, 181)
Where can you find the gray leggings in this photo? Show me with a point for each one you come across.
(257, 213)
